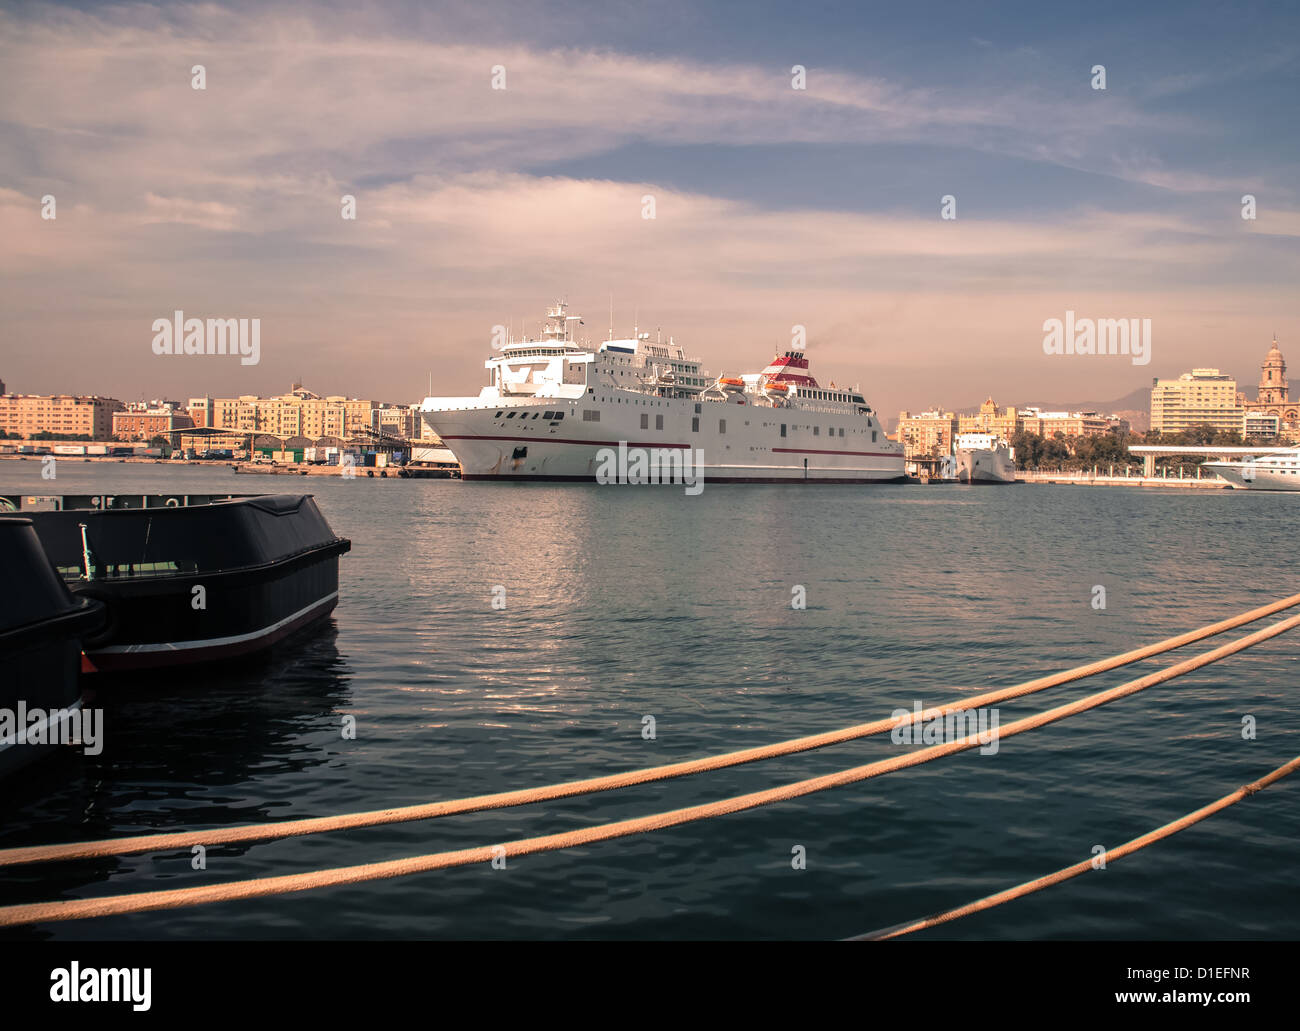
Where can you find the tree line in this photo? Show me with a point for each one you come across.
(1069, 452)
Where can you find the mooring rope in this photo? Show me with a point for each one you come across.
(1126, 849)
(77, 909)
(609, 782)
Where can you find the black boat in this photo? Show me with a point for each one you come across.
(190, 578)
(41, 626)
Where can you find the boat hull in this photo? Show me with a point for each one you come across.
(40, 648)
(186, 584)
(154, 624)
(981, 466)
(1241, 476)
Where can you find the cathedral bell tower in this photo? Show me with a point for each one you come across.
(1273, 389)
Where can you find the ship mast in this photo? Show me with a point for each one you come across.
(559, 327)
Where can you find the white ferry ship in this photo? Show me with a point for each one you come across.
(1280, 471)
(983, 458)
(552, 404)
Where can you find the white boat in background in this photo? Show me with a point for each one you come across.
(1278, 471)
(552, 404)
(983, 458)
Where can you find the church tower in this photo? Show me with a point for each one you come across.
(1273, 389)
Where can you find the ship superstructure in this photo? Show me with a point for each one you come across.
(553, 403)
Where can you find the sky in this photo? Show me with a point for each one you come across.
(774, 207)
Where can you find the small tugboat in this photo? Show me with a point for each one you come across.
(190, 578)
(41, 627)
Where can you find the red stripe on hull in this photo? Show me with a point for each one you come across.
(809, 451)
(567, 440)
(827, 480)
(630, 444)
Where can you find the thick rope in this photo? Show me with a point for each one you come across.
(78, 909)
(1128, 848)
(527, 796)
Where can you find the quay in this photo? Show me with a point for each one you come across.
(392, 472)
(1087, 478)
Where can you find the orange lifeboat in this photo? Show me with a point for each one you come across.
(731, 383)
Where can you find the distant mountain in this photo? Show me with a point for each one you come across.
(1139, 400)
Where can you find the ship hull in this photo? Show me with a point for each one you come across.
(41, 629)
(979, 466)
(736, 443)
(1240, 477)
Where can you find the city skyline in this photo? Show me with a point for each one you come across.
(1111, 405)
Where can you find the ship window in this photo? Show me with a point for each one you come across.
(512, 415)
(817, 431)
(873, 436)
(841, 431)
(549, 416)
(697, 409)
(659, 422)
(590, 415)
(498, 415)
(536, 414)
(645, 421)
(783, 429)
(722, 425)
(695, 424)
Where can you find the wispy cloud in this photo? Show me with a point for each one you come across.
(286, 93)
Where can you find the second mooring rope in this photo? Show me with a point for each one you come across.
(527, 796)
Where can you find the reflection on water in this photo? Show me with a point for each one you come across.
(184, 743)
(624, 602)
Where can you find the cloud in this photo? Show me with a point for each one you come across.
(204, 214)
(286, 94)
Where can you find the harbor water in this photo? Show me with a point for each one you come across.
(614, 604)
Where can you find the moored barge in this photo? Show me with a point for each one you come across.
(190, 578)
